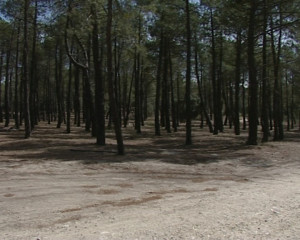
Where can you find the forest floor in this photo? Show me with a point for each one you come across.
(62, 186)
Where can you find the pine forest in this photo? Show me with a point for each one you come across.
(178, 81)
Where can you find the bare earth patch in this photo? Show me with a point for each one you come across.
(62, 186)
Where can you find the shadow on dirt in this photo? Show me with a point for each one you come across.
(50, 143)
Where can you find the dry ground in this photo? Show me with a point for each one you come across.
(62, 186)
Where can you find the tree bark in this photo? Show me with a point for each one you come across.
(16, 100)
(237, 130)
(33, 73)
(188, 140)
(99, 84)
(277, 95)
(202, 104)
(69, 98)
(158, 86)
(112, 100)
(1, 67)
(7, 83)
(264, 107)
(25, 72)
(253, 88)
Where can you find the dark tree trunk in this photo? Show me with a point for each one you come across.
(88, 105)
(166, 88)
(69, 98)
(158, 86)
(137, 88)
(124, 97)
(112, 100)
(137, 91)
(231, 105)
(253, 87)
(58, 81)
(216, 96)
(99, 84)
(277, 95)
(292, 104)
(178, 100)
(244, 104)
(188, 140)
(33, 73)
(220, 84)
(7, 92)
(142, 87)
(202, 104)
(237, 82)
(1, 67)
(48, 93)
(77, 97)
(17, 121)
(25, 72)
(287, 105)
(173, 107)
(128, 105)
(264, 107)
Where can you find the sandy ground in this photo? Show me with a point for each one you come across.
(63, 187)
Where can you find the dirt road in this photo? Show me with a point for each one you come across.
(63, 187)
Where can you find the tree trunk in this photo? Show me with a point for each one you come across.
(237, 130)
(277, 95)
(253, 88)
(188, 140)
(33, 73)
(1, 67)
(128, 105)
(158, 86)
(216, 96)
(99, 85)
(173, 107)
(244, 104)
(287, 105)
(292, 103)
(17, 121)
(77, 97)
(166, 88)
(264, 107)
(58, 81)
(69, 98)
(202, 104)
(25, 72)
(137, 91)
(112, 100)
(7, 83)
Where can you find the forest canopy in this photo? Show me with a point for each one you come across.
(99, 64)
